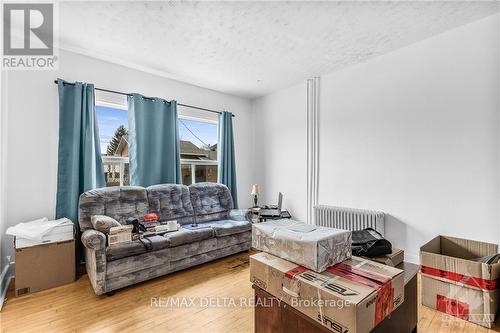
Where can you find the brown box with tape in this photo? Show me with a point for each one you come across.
(44, 266)
(353, 296)
(456, 283)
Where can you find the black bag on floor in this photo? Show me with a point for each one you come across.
(369, 243)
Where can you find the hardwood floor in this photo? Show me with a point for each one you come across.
(144, 308)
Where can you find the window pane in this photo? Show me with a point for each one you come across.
(113, 125)
(186, 174)
(206, 173)
(198, 145)
(198, 139)
(113, 138)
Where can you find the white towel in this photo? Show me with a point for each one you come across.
(35, 230)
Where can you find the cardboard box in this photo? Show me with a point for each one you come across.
(44, 266)
(453, 283)
(308, 245)
(353, 296)
(395, 258)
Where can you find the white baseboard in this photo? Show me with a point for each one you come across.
(5, 279)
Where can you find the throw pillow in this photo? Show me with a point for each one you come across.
(103, 223)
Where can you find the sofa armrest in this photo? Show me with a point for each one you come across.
(94, 243)
(93, 239)
(240, 215)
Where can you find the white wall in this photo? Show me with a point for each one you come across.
(32, 111)
(280, 144)
(414, 133)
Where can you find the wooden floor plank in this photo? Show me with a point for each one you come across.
(75, 307)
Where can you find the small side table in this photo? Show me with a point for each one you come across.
(256, 217)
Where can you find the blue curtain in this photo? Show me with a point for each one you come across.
(154, 152)
(227, 166)
(80, 165)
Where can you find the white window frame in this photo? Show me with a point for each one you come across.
(105, 104)
(201, 120)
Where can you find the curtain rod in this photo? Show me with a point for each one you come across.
(127, 94)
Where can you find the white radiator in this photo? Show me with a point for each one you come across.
(349, 218)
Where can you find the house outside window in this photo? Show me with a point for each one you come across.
(198, 161)
(198, 146)
(198, 165)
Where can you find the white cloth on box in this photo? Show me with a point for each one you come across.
(35, 230)
(311, 246)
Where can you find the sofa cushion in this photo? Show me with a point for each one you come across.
(229, 227)
(185, 236)
(128, 249)
(171, 202)
(117, 202)
(211, 201)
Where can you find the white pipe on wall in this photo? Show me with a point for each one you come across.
(312, 146)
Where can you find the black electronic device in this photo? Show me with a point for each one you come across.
(138, 227)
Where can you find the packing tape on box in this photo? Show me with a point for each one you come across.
(461, 278)
(452, 307)
(296, 271)
(381, 283)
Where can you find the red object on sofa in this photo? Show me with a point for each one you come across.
(150, 217)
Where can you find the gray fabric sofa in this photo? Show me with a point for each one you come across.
(112, 267)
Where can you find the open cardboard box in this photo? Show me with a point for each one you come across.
(453, 283)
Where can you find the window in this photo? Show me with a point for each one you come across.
(198, 144)
(113, 137)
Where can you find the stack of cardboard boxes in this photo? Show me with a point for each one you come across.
(350, 294)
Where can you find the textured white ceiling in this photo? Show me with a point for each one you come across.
(253, 48)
